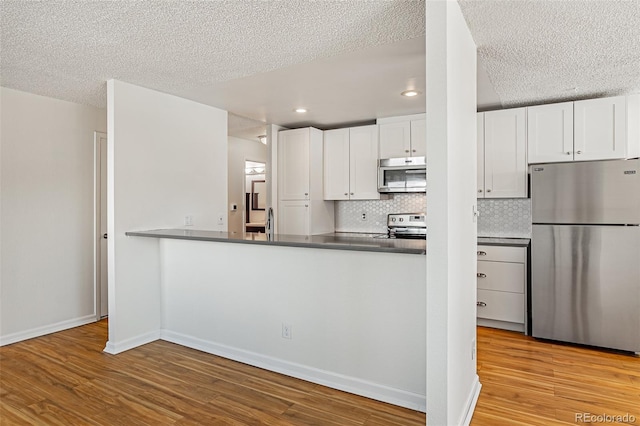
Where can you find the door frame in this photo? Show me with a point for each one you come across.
(97, 225)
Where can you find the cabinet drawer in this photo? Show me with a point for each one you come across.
(501, 306)
(502, 276)
(502, 254)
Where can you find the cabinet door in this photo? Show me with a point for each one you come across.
(550, 133)
(480, 177)
(294, 218)
(395, 139)
(600, 129)
(418, 138)
(336, 164)
(363, 163)
(505, 162)
(293, 164)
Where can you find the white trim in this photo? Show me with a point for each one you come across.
(46, 329)
(326, 378)
(472, 400)
(400, 118)
(143, 339)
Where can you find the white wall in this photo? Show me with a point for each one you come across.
(452, 382)
(239, 151)
(357, 324)
(167, 158)
(46, 219)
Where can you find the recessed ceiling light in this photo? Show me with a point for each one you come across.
(300, 110)
(410, 93)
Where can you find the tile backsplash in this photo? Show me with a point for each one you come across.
(505, 217)
(348, 214)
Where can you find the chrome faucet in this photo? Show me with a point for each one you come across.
(269, 225)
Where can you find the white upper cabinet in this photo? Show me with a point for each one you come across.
(480, 169)
(419, 138)
(594, 129)
(403, 136)
(600, 129)
(350, 164)
(336, 164)
(550, 133)
(363, 163)
(395, 140)
(505, 160)
(293, 164)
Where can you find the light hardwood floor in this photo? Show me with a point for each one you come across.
(66, 379)
(531, 382)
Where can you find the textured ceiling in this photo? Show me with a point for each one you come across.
(346, 60)
(68, 49)
(545, 51)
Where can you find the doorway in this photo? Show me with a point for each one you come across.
(100, 225)
(255, 190)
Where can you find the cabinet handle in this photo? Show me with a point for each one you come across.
(482, 253)
(568, 152)
(406, 150)
(306, 205)
(352, 193)
(481, 304)
(481, 275)
(488, 190)
(413, 150)
(346, 193)
(578, 152)
(306, 193)
(479, 190)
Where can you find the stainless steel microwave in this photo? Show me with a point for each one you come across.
(408, 174)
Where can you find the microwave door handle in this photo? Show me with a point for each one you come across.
(415, 172)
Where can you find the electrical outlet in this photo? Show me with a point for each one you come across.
(286, 331)
(220, 219)
(188, 220)
(364, 216)
(473, 349)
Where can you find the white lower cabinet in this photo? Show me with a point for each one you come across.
(294, 217)
(502, 278)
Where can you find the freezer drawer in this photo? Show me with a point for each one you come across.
(585, 285)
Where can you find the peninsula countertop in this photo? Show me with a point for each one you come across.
(334, 241)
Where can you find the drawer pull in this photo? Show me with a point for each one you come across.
(482, 253)
(481, 304)
(481, 275)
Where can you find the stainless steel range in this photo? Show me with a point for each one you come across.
(407, 225)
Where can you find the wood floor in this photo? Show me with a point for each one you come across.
(530, 382)
(66, 379)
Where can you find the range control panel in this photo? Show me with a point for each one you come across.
(417, 220)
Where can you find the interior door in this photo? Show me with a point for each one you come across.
(101, 225)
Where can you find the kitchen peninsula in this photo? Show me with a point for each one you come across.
(300, 307)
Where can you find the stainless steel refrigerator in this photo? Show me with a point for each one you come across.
(585, 253)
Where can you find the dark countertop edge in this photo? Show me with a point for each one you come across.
(328, 246)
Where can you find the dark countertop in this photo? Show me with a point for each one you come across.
(335, 241)
(512, 242)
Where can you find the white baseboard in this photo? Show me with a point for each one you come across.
(472, 401)
(46, 329)
(143, 339)
(326, 378)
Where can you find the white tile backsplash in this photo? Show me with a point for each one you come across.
(508, 217)
(348, 214)
(505, 217)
